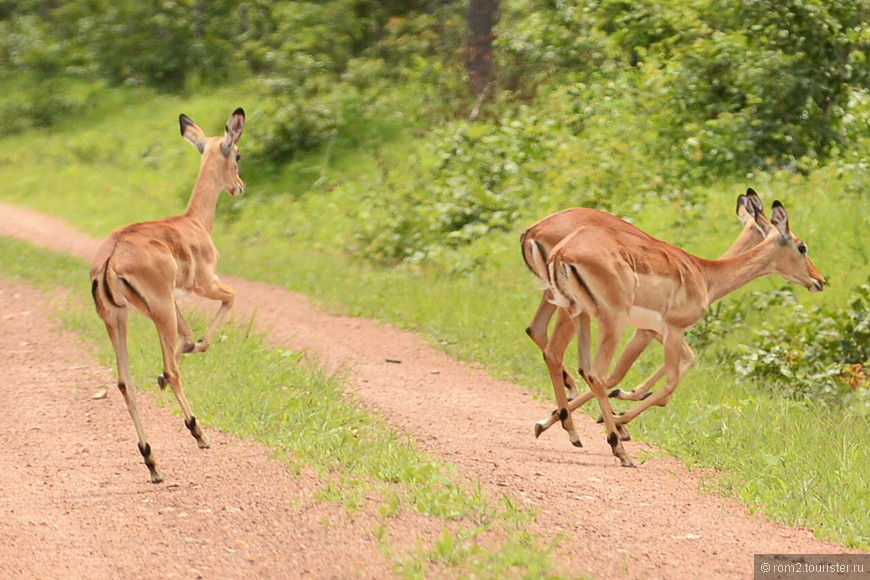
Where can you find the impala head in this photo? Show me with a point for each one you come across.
(792, 262)
(219, 154)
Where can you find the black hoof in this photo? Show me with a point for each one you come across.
(538, 430)
(577, 443)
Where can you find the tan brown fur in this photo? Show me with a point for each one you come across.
(630, 279)
(143, 264)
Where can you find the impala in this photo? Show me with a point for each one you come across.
(622, 278)
(540, 239)
(142, 265)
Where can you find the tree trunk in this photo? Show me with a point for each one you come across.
(482, 16)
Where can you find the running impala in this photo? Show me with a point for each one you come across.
(143, 264)
(542, 236)
(623, 278)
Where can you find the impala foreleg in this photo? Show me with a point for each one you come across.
(185, 335)
(117, 329)
(226, 296)
(634, 348)
(676, 349)
(167, 331)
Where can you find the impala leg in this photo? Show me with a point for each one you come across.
(637, 344)
(215, 291)
(167, 331)
(676, 349)
(185, 335)
(537, 331)
(117, 330)
(634, 348)
(610, 332)
(553, 357)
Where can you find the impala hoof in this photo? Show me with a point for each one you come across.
(577, 443)
(538, 430)
(161, 380)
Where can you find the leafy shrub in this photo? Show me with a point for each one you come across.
(479, 180)
(763, 83)
(818, 354)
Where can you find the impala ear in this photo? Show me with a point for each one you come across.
(779, 218)
(745, 210)
(192, 132)
(753, 199)
(234, 128)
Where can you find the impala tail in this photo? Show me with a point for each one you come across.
(535, 256)
(107, 288)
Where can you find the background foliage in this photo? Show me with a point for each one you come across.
(361, 158)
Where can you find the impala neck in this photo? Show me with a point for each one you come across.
(203, 200)
(728, 274)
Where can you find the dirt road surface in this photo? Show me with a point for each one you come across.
(75, 501)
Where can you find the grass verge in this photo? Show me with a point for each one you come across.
(287, 402)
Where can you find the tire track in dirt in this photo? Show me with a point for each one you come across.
(650, 522)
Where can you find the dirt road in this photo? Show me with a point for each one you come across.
(75, 501)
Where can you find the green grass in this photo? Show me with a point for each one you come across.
(289, 403)
(295, 228)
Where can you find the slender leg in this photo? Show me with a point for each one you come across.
(117, 328)
(185, 335)
(537, 331)
(609, 332)
(166, 322)
(676, 349)
(215, 290)
(637, 344)
(553, 357)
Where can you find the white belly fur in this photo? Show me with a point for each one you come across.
(646, 319)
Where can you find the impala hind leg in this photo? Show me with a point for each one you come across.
(537, 331)
(553, 357)
(609, 334)
(117, 328)
(167, 330)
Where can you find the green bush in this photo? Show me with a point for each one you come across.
(818, 354)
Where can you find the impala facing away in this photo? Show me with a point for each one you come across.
(143, 264)
(624, 278)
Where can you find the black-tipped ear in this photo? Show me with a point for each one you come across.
(184, 121)
(743, 202)
(755, 201)
(239, 111)
(779, 218)
(192, 132)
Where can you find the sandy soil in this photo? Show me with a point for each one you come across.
(75, 500)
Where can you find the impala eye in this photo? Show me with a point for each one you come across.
(802, 248)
